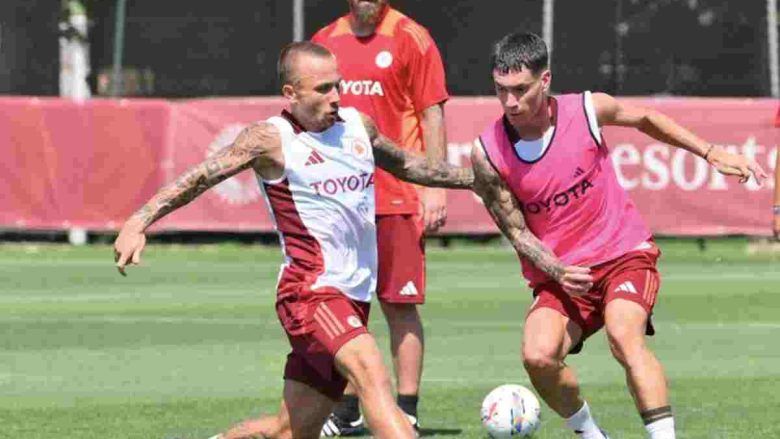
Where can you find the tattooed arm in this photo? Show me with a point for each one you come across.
(413, 168)
(505, 210)
(258, 147)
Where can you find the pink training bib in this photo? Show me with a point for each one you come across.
(565, 182)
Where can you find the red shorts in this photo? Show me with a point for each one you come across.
(318, 323)
(401, 257)
(633, 277)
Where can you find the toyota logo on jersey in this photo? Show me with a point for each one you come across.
(361, 87)
(347, 183)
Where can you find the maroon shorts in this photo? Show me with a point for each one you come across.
(633, 277)
(401, 257)
(318, 323)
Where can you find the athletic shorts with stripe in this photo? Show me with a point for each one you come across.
(401, 259)
(318, 323)
(633, 276)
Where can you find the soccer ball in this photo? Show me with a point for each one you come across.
(510, 410)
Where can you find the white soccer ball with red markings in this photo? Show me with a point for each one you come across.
(510, 410)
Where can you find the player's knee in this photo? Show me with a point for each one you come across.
(368, 372)
(373, 380)
(626, 346)
(540, 360)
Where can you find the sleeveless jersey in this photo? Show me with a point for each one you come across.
(567, 188)
(323, 207)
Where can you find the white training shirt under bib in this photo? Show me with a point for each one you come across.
(323, 206)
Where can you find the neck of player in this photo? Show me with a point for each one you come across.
(538, 124)
(362, 29)
(364, 25)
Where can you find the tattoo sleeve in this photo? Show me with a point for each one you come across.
(505, 210)
(413, 168)
(242, 154)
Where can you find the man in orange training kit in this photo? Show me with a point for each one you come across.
(315, 164)
(393, 72)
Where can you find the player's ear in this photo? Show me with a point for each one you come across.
(546, 80)
(288, 91)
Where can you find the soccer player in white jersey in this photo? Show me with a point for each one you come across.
(315, 165)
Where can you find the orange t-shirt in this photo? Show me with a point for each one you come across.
(392, 76)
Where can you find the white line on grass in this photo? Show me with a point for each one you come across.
(757, 276)
(270, 319)
(126, 296)
(140, 319)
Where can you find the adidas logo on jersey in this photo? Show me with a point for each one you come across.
(626, 287)
(409, 289)
(578, 172)
(314, 159)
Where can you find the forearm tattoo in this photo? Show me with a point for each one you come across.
(412, 168)
(505, 211)
(419, 170)
(222, 165)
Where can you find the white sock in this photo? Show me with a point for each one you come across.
(219, 436)
(661, 429)
(583, 424)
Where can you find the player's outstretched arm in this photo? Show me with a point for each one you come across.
(413, 168)
(505, 210)
(609, 111)
(252, 148)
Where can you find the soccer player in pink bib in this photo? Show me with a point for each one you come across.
(544, 174)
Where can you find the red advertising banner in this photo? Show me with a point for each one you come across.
(90, 165)
(86, 165)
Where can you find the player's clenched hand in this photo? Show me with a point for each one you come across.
(736, 164)
(434, 208)
(128, 247)
(576, 280)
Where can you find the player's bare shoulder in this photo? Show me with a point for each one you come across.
(262, 142)
(258, 139)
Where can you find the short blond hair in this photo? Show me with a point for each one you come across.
(285, 65)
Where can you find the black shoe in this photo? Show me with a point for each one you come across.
(336, 426)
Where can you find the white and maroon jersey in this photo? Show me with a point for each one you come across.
(323, 207)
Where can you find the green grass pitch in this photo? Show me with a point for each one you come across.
(189, 343)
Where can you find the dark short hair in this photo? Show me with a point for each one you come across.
(284, 67)
(519, 50)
